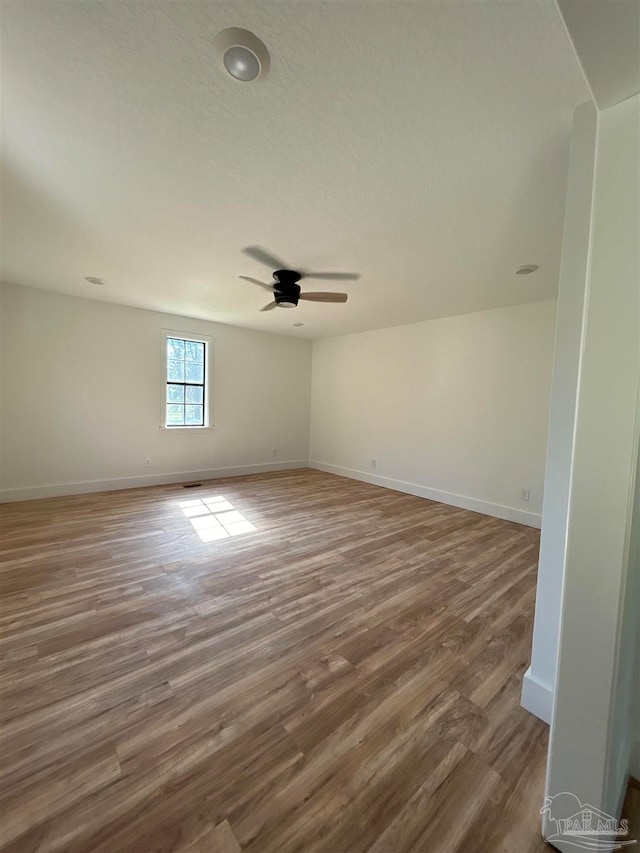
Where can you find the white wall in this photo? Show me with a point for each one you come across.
(1, 374)
(454, 409)
(591, 733)
(82, 388)
(599, 31)
(538, 682)
(624, 726)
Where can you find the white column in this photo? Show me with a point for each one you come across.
(591, 730)
(537, 691)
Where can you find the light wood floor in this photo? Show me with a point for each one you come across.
(346, 678)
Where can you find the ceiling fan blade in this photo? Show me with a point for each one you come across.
(255, 281)
(269, 306)
(264, 257)
(324, 297)
(333, 276)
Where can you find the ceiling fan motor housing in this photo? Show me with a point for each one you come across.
(286, 288)
(284, 301)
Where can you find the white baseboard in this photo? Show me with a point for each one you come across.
(537, 698)
(531, 519)
(87, 486)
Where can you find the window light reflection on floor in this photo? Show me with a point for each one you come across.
(215, 518)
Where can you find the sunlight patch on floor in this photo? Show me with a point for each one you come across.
(215, 518)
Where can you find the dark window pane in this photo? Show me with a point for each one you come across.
(175, 348)
(175, 394)
(194, 394)
(194, 372)
(193, 415)
(175, 371)
(175, 415)
(194, 351)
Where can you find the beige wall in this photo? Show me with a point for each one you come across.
(454, 409)
(82, 390)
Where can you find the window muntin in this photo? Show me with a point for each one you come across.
(186, 382)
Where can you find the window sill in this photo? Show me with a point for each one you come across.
(197, 429)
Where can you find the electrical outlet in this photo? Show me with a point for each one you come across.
(147, 462)
(374, 463)
(524, 494)
(274, 452)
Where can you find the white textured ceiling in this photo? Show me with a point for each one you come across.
(421, 144)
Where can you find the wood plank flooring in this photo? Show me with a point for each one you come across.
(343, 678)
(631, 810)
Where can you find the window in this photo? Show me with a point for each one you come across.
(186, 394)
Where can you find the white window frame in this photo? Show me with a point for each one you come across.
(208, 381)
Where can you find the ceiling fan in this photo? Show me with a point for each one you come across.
(285, 288)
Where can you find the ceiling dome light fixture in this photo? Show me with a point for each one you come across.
(242, 55)
(527, 269)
